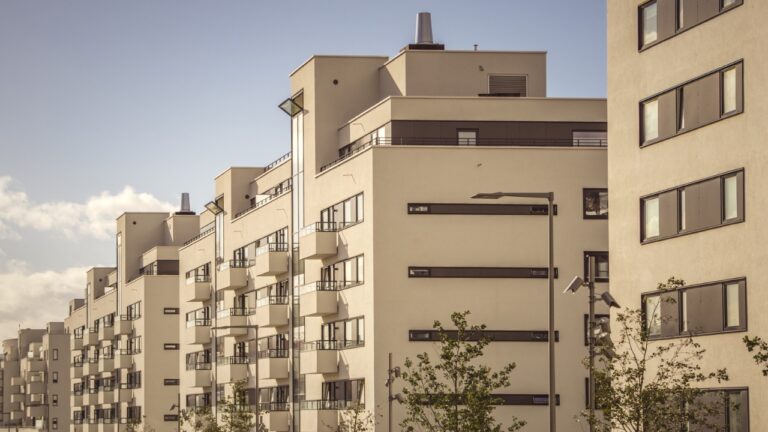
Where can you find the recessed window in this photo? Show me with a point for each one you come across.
(650, 218)
(729, 91)
(467, 137)
(650, 120)
(595, 203)
(55, 354)
(55, 377)
(730, 198)
(649, 14)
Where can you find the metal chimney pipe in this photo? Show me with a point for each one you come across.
(424, 28)
(185, 202)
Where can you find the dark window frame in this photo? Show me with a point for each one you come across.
(677, 89)
(476, 272)
(500, 335)
(474, 209)
(587, 254)
(680, 334)
(584, 193)
(678, 31)
(681, 233)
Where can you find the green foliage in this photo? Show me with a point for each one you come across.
(356, 419)
(642, 385)
(136, 425)
(198, 419)
(237, 415)
(456, 393)
(760, 348)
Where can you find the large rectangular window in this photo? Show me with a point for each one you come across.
(660, 20)
(694, 207)
(710, 308)
(595, 203)
(343, 214)
(346, 273)
(698, 102)
(650, 22)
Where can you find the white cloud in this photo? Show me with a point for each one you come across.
(94, 218)
(32, 299)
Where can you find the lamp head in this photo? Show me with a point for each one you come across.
(609, 300)
(574, 286)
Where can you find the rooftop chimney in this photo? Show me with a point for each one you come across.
(185, 210)
(424, 39)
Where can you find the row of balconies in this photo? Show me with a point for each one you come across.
(102, 396)
(272, 364)
(91, 366)
(103, 333)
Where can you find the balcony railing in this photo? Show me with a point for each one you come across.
(230, 360)
(272, 300)
(198, 279)
(322, 345)
(237, 311)
(328, 404)
(272, 353)
(352, 149)
(273, 406)
(199, 366)
(320, 227)
(327, 286)
(271, 247)
(199, 322)
(238, 263)
(277, 161)
(264, 201)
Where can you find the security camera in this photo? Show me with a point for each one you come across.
(609, 300)
(574, 286)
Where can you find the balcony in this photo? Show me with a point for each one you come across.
(198, 289)
(123, 326)
(233, 274)
(124, 393)
(36, 398)
(15, 406)
(91, 396)
(17, 397)
(319, 416)
(123, 359)
(77, 397)
(232, 322)
(106, 332)
(277, 416)
(318, 240)
(107, 395)
(32, 364)
(273, 364)
(76, 371)
(17, 381)
(91, 337)
(35, 387)
(76, 342)
(271, 311)
(271, 259)
(231, 369)
(36, 411)
(198, 375)
(198, 331)
(319, 298)
(17, 415)
(91, 366)
(320, 357)
(107, 363)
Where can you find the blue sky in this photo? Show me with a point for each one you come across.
(128, 103)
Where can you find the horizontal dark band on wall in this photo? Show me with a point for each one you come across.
(493, 335)
(171, 381)
(479, 209)
(480, 272)
(504, 399)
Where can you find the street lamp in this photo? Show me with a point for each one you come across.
(550, 197)
(592, 326)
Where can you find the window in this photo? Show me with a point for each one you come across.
(55, 354)
(508, 85)
(698, 102)
(701, 205)
(680, 14)
(346, 273)
(133, 311)
(350, 391)
(728, 3)
(55, 423)
(479, 209)
(704, 309)
(467, 137)
(649, 15)
(595, 203)
(55, 400)
(651, 218)
(54, 377)
(345, 213)
(650, 120)
(492, 335)
(479, 272)
(601, 266)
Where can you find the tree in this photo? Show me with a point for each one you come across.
(137, 425)
(642, 385)
(456, 393)
(237, 415)
(761, 356)
(356, 419)
(199, 419)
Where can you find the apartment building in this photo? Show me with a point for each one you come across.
(124, 336)
(309, 272)
(686, 168)
(35, 371)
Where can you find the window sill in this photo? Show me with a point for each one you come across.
(697, 335)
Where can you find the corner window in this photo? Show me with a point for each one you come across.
(729, 91)
(650, 120)
(649, 15)
(650, 218)
(467, 137)
(595, 203)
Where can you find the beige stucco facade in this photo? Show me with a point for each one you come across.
(732, 251)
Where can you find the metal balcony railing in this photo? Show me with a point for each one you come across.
(273, 353)
(272, 300)
(319, 227)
